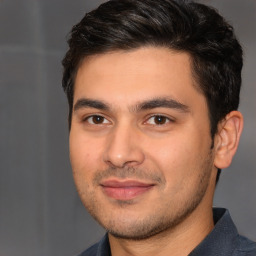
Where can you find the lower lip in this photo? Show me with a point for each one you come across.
(125, 193)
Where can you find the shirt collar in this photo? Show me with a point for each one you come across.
(104, 247)
(223, 238)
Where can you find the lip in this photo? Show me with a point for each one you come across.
(125, 190)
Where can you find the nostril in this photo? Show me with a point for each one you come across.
(132, 157)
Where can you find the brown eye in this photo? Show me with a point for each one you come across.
(158, 120)
(96, 119)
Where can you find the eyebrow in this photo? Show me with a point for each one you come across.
(90, 103)
(141, 106)
(162, 103)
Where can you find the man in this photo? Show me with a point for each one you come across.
(153, 90)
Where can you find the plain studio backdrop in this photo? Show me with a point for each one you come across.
(40, 212)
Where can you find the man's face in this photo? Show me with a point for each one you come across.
(140, 143)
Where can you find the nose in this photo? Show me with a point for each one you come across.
(123, 148)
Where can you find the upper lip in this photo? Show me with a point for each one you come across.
(124, 183)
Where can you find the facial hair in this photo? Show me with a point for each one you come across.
(154, 223)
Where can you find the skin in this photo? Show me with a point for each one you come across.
(138, 118)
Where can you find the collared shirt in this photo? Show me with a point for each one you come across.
(223, 240)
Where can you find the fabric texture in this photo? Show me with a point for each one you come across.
(223, 240)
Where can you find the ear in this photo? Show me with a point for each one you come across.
(227, 139)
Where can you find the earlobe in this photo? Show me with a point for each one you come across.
(227, 139)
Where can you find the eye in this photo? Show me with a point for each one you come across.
(97, 119)
(158, 120)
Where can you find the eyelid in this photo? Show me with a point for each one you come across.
(169, 119)
(86, 118)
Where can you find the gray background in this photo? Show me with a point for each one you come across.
(40, 212)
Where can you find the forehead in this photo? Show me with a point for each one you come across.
(126, 76)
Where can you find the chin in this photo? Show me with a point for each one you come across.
(131, 227)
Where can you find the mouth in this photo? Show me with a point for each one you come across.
(125, 190)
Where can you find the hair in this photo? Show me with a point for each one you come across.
(180, 25)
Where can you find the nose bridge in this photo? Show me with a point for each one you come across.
(123, 146)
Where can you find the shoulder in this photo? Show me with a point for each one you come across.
(245, 247)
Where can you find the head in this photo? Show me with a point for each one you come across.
(195, 37)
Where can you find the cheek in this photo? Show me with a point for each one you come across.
(171, 152)
(178, 157)
(84, 154)
(82, 158)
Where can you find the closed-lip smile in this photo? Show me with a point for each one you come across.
(125, 189)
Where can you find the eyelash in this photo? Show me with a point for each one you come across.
(165, 119)
(103, 120)
(96, 116)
